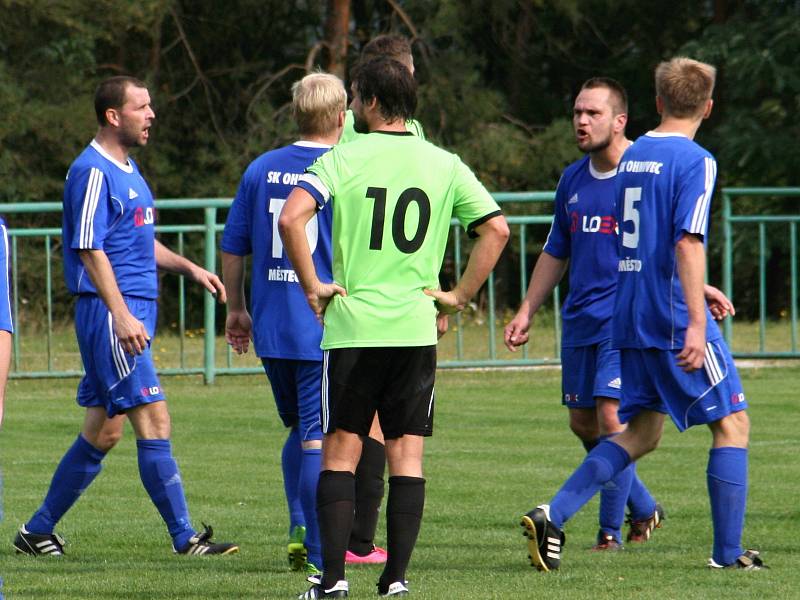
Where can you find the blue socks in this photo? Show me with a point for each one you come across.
(613, 498)
(77, 469)
(600, 465)
(162, 480)
(307, 491)
(727, 491)
(291, 464)
(641, 503)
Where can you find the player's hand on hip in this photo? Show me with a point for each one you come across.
(447, 303)
(693, 354)
(211, 282)
(130, 332)
(516, 332)
(320, 296)
(238, 328)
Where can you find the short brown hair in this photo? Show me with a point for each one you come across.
(619, 97)
(111, 94)
(391, 45)
(684, 86)
(317, 100)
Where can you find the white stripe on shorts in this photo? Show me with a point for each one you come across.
(324, 409)
(117, 353)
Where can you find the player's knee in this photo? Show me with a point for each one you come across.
(732, 430)
(106, 440)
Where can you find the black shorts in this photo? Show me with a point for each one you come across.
(396, 382)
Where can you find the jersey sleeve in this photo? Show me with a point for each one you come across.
(236, 237)
(91, 211)
(472, 204)
(319, 179)
(558, 240)
(693, 198)
(6, 323)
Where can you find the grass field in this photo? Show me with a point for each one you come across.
(501, 446)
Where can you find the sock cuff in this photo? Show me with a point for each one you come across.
(406, 495)
(613, 454)
(312, 450)
(335, 486)
(728, 464)
(95, 454)
(404, 480)
(163, 445)
(607, 436)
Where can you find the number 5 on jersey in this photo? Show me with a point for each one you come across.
(631, 213)
(312, 228)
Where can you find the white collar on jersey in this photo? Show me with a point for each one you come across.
(663, 134)
(601, 174)
(128, 168)
(307, 144)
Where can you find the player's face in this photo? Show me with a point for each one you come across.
(359, 120)
(135, 117)
(593, 119)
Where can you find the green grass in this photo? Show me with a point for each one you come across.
(501, 445)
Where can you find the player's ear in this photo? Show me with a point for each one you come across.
(659, 105)
(709, 107)
(112, 117)
(340, 121)
(620, 121)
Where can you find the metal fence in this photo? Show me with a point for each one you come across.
(464, 352)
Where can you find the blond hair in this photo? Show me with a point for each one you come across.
(317, 100)
(684, 86)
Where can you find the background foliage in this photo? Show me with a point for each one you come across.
(497, 81)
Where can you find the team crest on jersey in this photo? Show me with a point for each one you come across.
(615, 383)
(132, 194)
(144, 216)
(737, 398)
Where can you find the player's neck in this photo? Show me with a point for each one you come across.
(328, 140)
(382, 125)
(111, 145)
(608, 158)
(687, 127)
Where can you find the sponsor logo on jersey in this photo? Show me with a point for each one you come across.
(630, 265)
(280, 274)
(144, 216)
(737, 398)
(571, 397)
(593, 224)
(615, 383)
(152, 390)
(132, 194)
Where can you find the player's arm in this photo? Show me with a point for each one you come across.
(492, 237)
(238, 324)
(691, 263)
(547, 272)
(5, 365)
(169, 261)
(300, 207)
(129, 330)
(718, 303)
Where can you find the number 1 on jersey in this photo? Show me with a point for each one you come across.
(312, 228)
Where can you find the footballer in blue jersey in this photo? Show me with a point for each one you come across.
(285, 331)
(672, 359)
(583, 237)
(6, 321)
(110, 261)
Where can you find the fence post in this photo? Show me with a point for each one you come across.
(727, 263)
(209, 308)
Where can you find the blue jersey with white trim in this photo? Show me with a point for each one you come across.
(584, 231)
(6, 322)
(108, 206)
(663, 190)
(284, 326)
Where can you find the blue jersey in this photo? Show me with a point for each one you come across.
(6, 323)
(284, 326)
(108, 206)
(584, 231)
(663, 192)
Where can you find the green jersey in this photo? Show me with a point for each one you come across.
(349, 133)
(393, 197)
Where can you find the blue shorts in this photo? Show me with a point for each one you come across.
(654, 381)
(589, 372)
(297, 385)
(114, 379)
